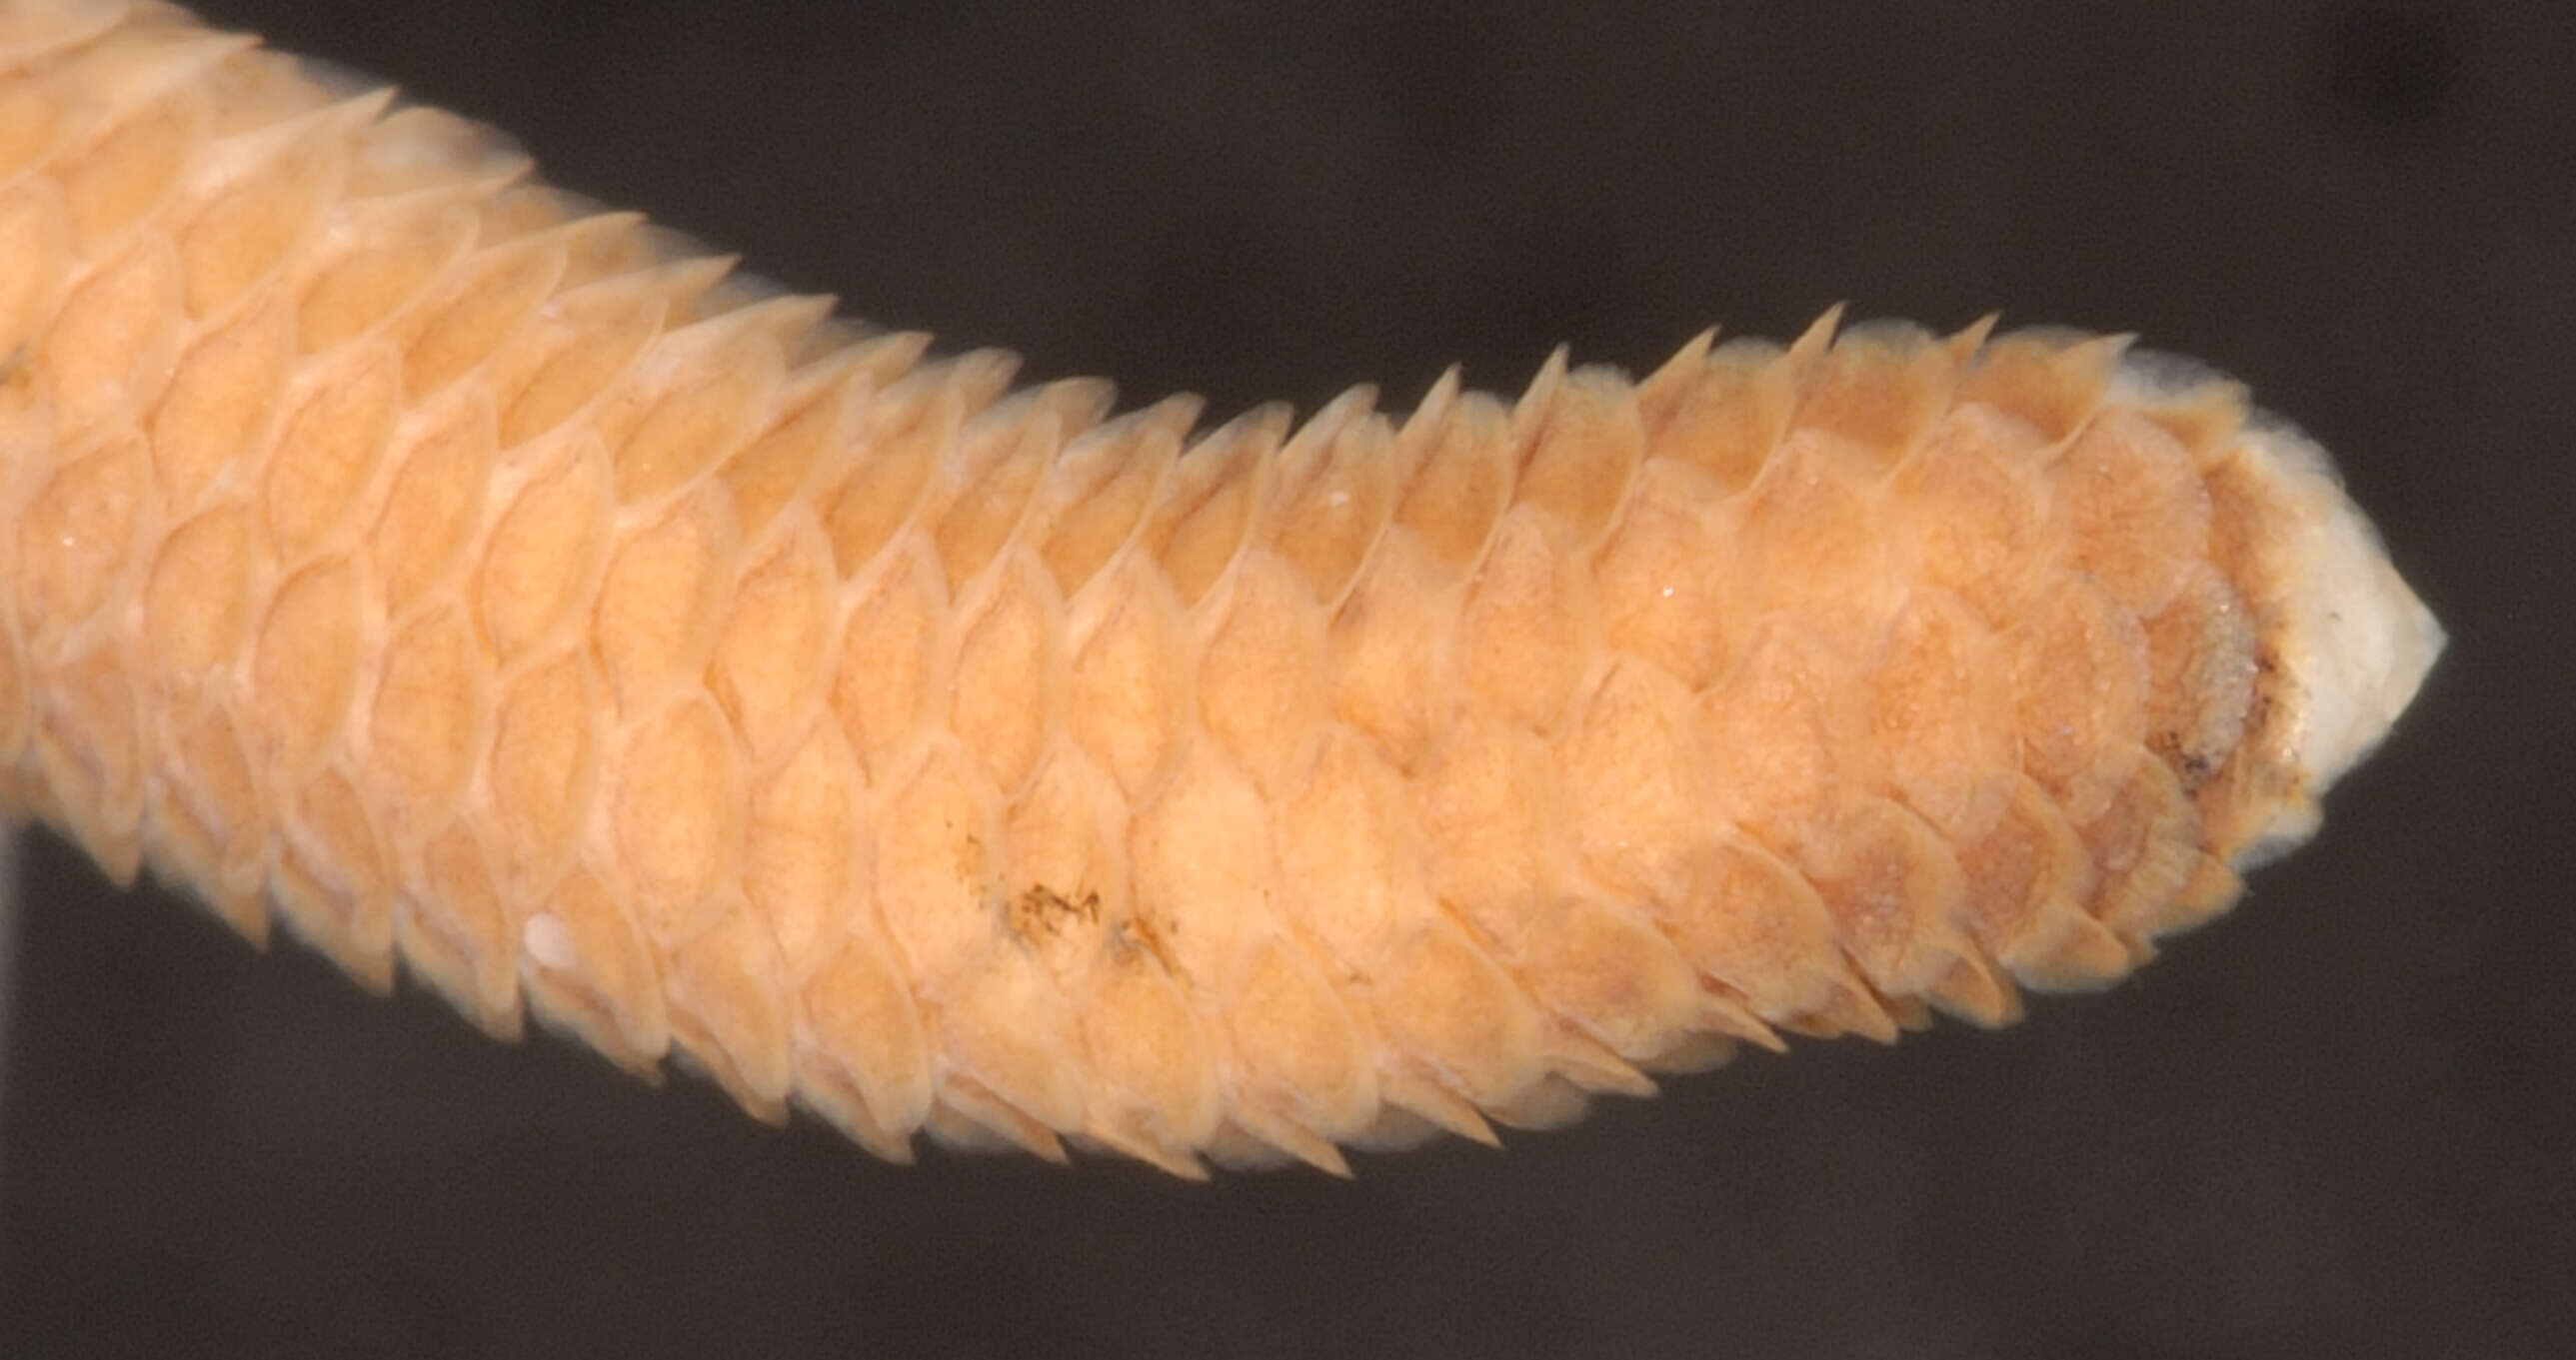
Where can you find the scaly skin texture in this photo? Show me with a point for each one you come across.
(477, 580)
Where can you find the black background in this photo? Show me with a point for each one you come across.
(2342, 1121)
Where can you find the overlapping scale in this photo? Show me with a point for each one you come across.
(476, 580)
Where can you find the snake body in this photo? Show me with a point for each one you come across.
(488, 587)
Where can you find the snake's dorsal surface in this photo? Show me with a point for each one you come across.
(477, 580)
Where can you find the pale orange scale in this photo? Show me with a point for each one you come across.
(2079, 673)
(980, 494)
(1894, 890)
(75, 537)
(1973, 507)
(262, 89)
(1010, 1068)
(1450, 1007)
(267, 209)
(1580, 1067)
(1305, 1079)
(544, 764)
(39, 33)
(1941, 712)
(1493, 828)
(628, 250)
(1350, 863)
(209, 814)
(37, 265)
(839, 354)
(1811, 543)
(675, 815)
(2244, 505)
(329, 446)
(391, 257)
(805, 847)
(735, 299)
(2028, 877)
(694, 399)
(583, 967)
(334, 887)
(655, 618)
(1199, 525)
(862, 1060)
(1662, 394)
(767, 670)
(17, 702)
(1587, 448)
(1129, 694)
(2247, 794)
(305, 665)
(2213, 889)
(2200, 655)
(131, 66)
(441, 474)
(116, 182)
(1003, 701)
(603, 242)
(937, 883)
(31, 118)
(1557, 1100)
(1392, 668)
(1065, 889)
(1462, 481)
(1418, 1105)
(1528, 631)
(543, 550)
(1156, 1095)
(424, 150)
(1881, 386)
(730, 1011)
(2205, 417)
(1726, 422)
(895, 653)
(1755, 926)
(1261, 683)
(215, 414)
(1205, 868)
(1098, 491)
(1779, 732)
(111, 346)
(550, 369)
(765, 475)
(1974, 990)
(532, 207)
(90, 742)
(909, 428)
(1332, 496)
(475, 308)
(2050, 382)
(1666, 578)
(426, 726)
(1637, 778)
(454, 932)
(196, 602)
(620, 245)
(1612, 975)
(795, 322)
(983, 494)
(839, 349)
(2137, 517)
(2146, 848)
